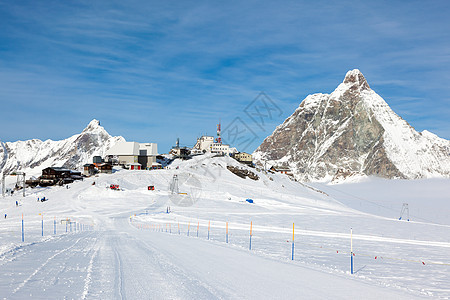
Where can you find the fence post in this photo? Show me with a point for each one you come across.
(227, 232)
(351, 250)
(251, 225)
(293, 236)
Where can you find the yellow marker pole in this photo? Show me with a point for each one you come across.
(293, 236)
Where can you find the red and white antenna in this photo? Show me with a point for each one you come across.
(219, 139)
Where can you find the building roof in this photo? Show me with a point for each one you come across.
(124, 148)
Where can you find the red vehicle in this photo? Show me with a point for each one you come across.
(114, 187)
(151, 187)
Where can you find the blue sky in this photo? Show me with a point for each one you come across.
(154, 71)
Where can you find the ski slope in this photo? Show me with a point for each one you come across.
(131, 248)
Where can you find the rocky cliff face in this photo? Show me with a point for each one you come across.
(353, 132)
(72, 153)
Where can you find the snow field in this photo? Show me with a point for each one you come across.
(123, 261)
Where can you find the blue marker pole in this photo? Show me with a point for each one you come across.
(23, 235)
(351, 250)
(293, 241)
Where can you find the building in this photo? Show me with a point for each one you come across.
(97, 159)
(244, 158)
(127, 153)
(206, 144)
(147, 154)
(105, 168)
(134, 166)
(58, 175)
(89, 169)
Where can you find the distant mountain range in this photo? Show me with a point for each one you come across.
(352, 132)
(72, 152)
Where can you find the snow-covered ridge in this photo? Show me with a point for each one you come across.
(33, 155)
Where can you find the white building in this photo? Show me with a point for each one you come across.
(206, 144)
(131, 153)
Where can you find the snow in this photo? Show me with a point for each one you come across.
(124, 256)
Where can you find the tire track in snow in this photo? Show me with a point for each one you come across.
(88, 279)
(119, 275)
(43, 265)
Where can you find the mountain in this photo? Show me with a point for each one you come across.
(353, 132)
(72, 152)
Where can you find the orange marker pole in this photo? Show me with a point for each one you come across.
(251, 225)
(227, 232)
(198, 225)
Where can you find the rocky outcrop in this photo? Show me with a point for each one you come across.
(349, 132)
(243, 173)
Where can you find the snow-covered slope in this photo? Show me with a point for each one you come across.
(34, 155)
(353, 132)
(138, 251)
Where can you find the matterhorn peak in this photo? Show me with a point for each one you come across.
(355, 77)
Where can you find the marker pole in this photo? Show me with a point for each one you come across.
(198, 225)
(351, 250)
(23, 235)
(178, 227)
(251, 225)
(209, 225)
(42, 224)
(293, 236)
(189, 226)
(227, 232)
(54, 225)
(170, 227)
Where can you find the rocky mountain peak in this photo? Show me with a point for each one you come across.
(355, 78)
(94, 125)
(352, 132)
